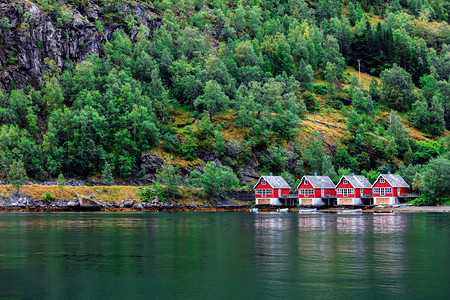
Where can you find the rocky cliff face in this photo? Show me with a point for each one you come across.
(28, 36)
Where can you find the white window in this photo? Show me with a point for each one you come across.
(345, 192)
(344, 181)
(306, 181)
(263, 181)
(306, 192)
(263, 192)
(381, 180)
(376, 190)
(384, 191)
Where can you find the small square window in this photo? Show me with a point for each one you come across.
(306, 181)
(263, 181)
(344, 181)
(382, 180)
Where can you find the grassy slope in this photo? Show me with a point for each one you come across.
(99, 193)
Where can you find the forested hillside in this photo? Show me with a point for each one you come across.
(136, 90)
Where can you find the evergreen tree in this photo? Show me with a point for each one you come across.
(313, 154)
(352, 13)
(213, 100)
(17, 175)
(327, 9)
(328, 169)
(332, 54)
(61, 183)
(359, 11)
(305, 75)
(167, 180)
(398, 131)
(53, 94)
(343, 160)
(397, 88)
(420, 115)
(437, 121)
(330, 78)
(216, 180)
(290, 179)
(435, 179)
(395, 6)
(219, 143)
(417, 183)
(107, 175)
(374, 90)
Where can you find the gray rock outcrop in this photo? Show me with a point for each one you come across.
(29, 36)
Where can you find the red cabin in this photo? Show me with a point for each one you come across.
(313, 190)
(388, 188)
(351, 189)
(269, 190)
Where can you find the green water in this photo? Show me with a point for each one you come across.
(223, 256)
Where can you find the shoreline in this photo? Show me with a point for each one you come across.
(205, 208)
(74, 201)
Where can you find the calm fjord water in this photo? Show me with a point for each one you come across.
(223, 255)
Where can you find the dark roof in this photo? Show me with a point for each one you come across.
(358, 181)
(319, 182)
(276, 182)
(394, 180)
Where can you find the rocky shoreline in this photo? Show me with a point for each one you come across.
(27, 203)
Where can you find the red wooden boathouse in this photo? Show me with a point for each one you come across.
(270, 189)
(388, 188)
(351, 189)
(315, 190)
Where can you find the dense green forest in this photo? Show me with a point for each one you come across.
(234, 81)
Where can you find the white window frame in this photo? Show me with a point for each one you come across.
(384, 191)
(382, 180)
(344, 181)
(263, 192)
(306, 181)
(263, 181)
(346, 192)
(306, 192)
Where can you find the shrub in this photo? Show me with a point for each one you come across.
(320, 89)
(338, 104)
(48, 197)
(423, 200)
(146, 194)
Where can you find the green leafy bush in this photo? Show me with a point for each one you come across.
(48, 197)
(320, 89)
(146, 194)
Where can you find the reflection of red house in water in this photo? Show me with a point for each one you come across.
(315, 190)
(269, 190)
(351, 189)
(388, 188)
